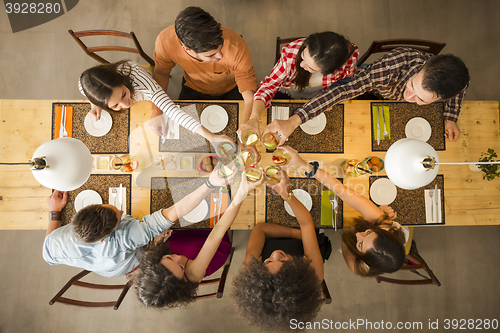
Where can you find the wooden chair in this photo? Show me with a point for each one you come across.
(391, 44)
(413, 262)
(90, 51)
(76, 282)
(279, 43)
(326, 294)
(220, 280)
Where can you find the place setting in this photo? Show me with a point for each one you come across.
(321, 134)
(220, 118)
(99, 189)
(408, 120)
(422, 206)
(314, 196)
(108, 135)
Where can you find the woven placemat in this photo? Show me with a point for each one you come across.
(193, 143)
(166, 191)
(275, 207)
(410, 204)
(100, 184)
(401, 113)
(330, 140)
(114, 142)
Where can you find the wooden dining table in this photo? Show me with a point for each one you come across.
(468, 199)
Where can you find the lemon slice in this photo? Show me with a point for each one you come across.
(226, 171)
(252, 138)
(186, 163)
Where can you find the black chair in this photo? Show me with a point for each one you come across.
(282, 41)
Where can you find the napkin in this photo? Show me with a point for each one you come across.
(428, 206)
(387, 122)
(116, 203)
(69, 121)
(224, 205)
(326, 208)
(172, 128)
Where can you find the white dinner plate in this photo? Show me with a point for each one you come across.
(215, 118)
(100, 127)
(315, 125)
(86, 198)
(198, 213)
(303, 197)
(418, 128)
(383, 191)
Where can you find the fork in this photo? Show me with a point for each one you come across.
(386, 135)
(333, 202)
(216, 200)
(64, 132)
(113, 195)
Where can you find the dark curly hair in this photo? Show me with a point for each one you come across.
(99, 81)
(156, 286)
(198, 30)
(93, 223)
(270, 301)
(388, 252)
(329, 50)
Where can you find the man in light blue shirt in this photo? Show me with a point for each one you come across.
(103, 240)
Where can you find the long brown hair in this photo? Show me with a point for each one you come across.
(99, 81)
(328, 49)
(388, 252)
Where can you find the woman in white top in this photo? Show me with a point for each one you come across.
(116, 86)
(374, 244)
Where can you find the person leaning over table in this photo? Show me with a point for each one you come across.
(216, 60)
(101, 239)
(281, 278)
(170, 272)
(307, 66)
(404, 74)
(116, 86)
(375, 244)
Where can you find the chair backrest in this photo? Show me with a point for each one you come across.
(75, 281)
(90, 51)
(282, 41)
(391, 44)
(220, 280)
(413, 263)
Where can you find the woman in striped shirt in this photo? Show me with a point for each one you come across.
(116, 86)
(307, 67)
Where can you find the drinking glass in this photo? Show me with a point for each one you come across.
(249, 137)
(281, 156)
(273, 175)
(271, 140)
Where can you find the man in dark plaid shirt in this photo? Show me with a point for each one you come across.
(403, 74)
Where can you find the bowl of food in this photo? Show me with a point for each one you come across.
(208, 163)
(375, 164)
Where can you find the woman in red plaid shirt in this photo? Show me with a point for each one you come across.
(307, 66)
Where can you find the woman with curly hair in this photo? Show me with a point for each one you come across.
(116, 86)
(282, 272)
(374, 244)
(170, 272)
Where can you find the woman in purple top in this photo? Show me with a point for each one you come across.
(170, 272)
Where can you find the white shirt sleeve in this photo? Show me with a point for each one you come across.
(145, 83)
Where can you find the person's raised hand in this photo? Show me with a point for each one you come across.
(389, 211)
(282, 188)
(216, 180)
(57, 200)
(252, 124)
(295, 160)
(284, 127)
(95, 112)
(157, 122)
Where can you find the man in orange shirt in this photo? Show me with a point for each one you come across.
(216, 60)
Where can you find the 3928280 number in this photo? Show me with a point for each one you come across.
(32, 8)
(463, 324)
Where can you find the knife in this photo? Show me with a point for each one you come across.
(378, 127)
(435, 204)
(219, 205)
(120, 193)
(335, 206)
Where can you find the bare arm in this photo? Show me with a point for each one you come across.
(56, 201)
(162, 76)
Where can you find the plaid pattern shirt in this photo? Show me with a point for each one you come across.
(387, 77)
(284, 72)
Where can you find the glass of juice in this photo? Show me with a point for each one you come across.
(273, 175)
(271, 140)
(281, 156)
(249, 137)
(227, 150)
(248, 157)
(254, 174)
